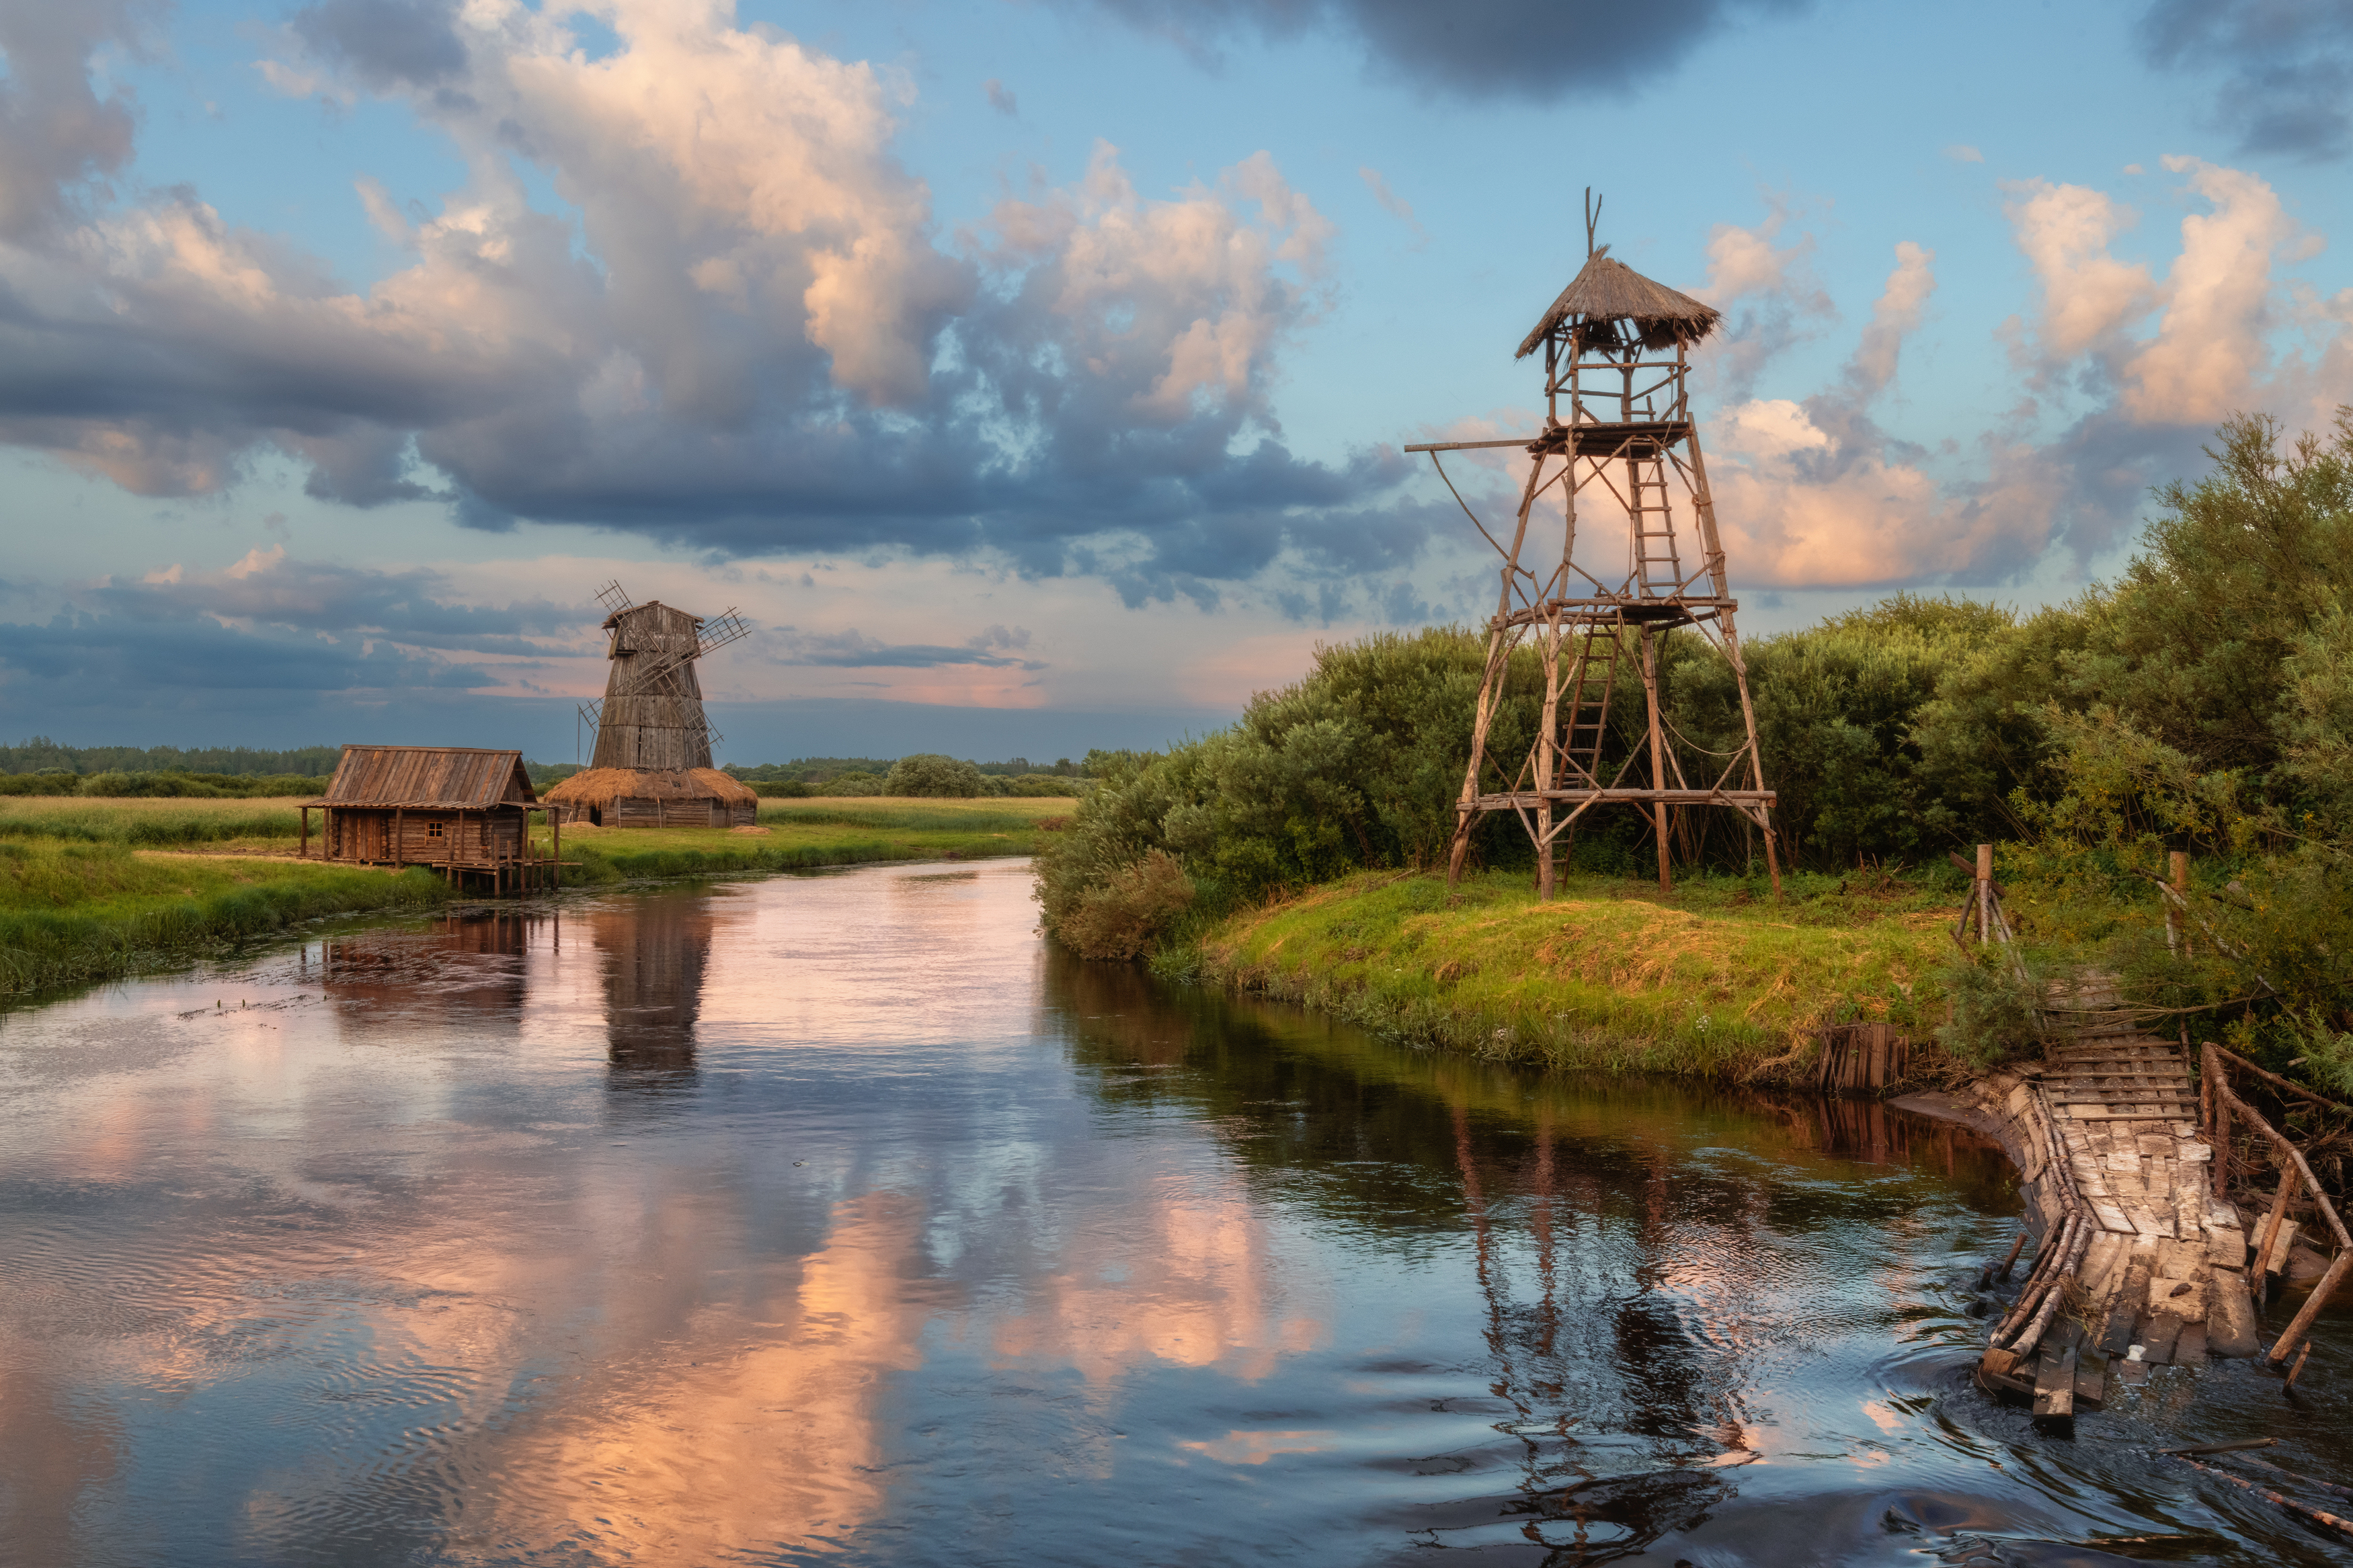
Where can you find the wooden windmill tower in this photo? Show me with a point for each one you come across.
(1618, 452)
(651, 716)
(651, 766)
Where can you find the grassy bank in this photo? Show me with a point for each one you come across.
(77, 911)
(93, 890)
(1714, 981)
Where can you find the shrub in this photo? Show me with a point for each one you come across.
(39, 784)
(929, 776)
(1994, 1011)
(1119, 916)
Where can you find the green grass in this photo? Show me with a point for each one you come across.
(806, 833)
(1714, 981)
(157, 822)
(72, 912)
(93, 890)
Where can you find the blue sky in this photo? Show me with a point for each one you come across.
(1032, 375)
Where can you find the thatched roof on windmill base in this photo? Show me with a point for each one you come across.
(1607, 290)
(600, 788)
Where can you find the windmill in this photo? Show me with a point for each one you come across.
(651, 765)
(651, 715)
(1619, 437)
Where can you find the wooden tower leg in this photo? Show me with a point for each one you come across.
(1490, 689)
(1545, 751)
(1658, 756)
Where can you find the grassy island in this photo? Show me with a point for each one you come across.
(1713, 980)
(2163, 767)
(95, 888)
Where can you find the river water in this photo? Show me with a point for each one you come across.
(838, 1216)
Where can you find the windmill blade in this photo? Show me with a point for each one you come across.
(593, 711)
(720, 629)
(613, 597)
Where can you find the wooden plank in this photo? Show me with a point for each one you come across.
(2126, 1312)
(2231, 1326)
(2158, 1335)
(2091, 1384)
(2189, 1348)
(2274, 1261)
(2054, 1389)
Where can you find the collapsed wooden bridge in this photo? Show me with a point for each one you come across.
(2146, 1260)
(2128, 1157)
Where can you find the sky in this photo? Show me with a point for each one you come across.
(1034, 374)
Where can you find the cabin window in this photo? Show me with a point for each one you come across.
(432, 830)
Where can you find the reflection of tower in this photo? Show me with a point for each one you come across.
(1618, 438)
(652, 951)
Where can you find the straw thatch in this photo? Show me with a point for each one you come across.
(654, 797)
(1606, 291)
(598, 786)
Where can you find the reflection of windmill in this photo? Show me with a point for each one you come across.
(651, 715)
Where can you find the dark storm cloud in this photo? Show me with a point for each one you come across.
(2285, 68)
(345, 603)
(385, 43)
(1539, 50)
(105, 658)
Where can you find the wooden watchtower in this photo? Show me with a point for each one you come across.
(1619, 453)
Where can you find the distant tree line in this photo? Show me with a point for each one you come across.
(40, 754)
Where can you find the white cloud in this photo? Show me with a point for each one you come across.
(767, 339)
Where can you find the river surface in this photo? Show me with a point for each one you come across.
(838, 1217)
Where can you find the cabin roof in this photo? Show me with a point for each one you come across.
(1610, 291)
(425, 778)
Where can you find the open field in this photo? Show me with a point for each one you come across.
(95, 888)
(1714, 981)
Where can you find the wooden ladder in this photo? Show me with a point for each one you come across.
(1590, 683)
(1658, 570)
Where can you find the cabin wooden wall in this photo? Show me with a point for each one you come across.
(368, 835)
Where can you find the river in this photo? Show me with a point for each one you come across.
(839, 1217)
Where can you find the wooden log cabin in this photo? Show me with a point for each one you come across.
(463, 811)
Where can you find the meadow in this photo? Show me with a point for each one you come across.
(1715, 980)
(96, 888)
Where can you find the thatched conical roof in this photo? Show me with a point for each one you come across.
(1606, 291)
(602, 786)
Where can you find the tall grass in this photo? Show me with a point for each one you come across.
(76, 911)
(1717, 981)
(157, 823)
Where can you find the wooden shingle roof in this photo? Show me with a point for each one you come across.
(425, 777)
(1607, 290)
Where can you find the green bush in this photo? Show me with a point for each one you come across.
(1995, 1013)
(930, 776)
(1119, 916)
(197, 786)
(39, 784)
